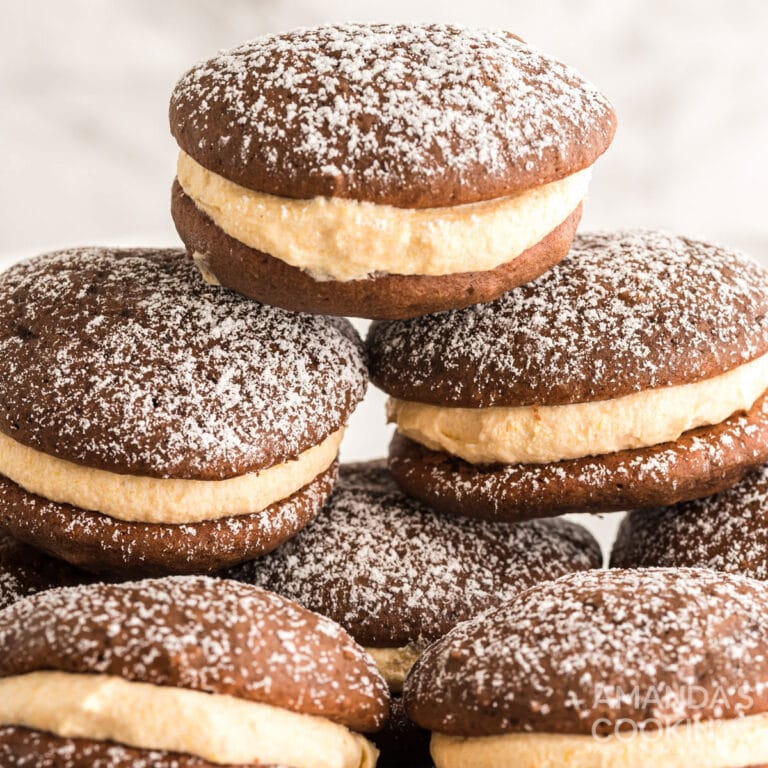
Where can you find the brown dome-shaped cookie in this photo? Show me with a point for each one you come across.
(556, 658)
(119, 549)
(201, 634)
(125, 360)
(25, 571)
(405, 115)
(726, 532)
(394, 573)
(624, 312)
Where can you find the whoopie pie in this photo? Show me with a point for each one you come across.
(632, 374)
(382, 170)
(182, 672)
(619, 668)
(398, 576)
(152, 424)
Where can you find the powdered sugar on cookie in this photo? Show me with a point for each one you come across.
(726, 532)
(203, 634)
(393, 572)
(126, 360)
(625, 311)
(366, 107)
(558, 657)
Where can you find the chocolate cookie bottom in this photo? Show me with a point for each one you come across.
(381, 297)
(119, 549)
(25, 748)
(701, 462)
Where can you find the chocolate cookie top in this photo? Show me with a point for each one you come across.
(203, 634)
(625, 311)
(125, 360)
(407, 115)
(25, 571)
(392, 572)
(726, 532)
(592, 649)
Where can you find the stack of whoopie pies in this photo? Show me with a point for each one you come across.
(177, 414)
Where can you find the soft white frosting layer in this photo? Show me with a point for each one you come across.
(395, 663)
(543, 434)
(338, 239)
(711, 744)
(218, 728)
(159, 500)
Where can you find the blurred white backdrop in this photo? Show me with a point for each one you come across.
(87, 157)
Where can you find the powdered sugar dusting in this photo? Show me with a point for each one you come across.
(556, 654)
(126, 360)
(393, 572)
(204, 634)
(11, 588)
(378, 104)
(625, 311)
(726, 532)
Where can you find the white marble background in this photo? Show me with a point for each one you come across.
(87, 158)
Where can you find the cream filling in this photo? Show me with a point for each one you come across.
(543, 434)
(218, 728)
(709, 744)
(339, 239)
(159, 500)
(395, 663)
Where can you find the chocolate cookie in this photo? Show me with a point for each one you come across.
(183, 423)
(632, 374)
(302, 182)
(726, 532)
(237, 659)
(395, 574)
(25, 571)
(597, 654)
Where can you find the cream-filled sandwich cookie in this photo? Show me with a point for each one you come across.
(382, 170)
(397, 576)
(727, 532)
(182, 672)
(632, 374)
(626, 669)
(152, 424)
